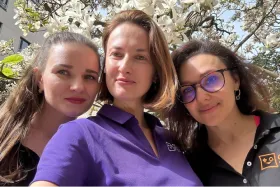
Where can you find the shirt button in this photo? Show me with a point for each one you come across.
(245, 181)
(255, 146)
(249, 163)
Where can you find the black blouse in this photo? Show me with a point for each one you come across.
(29, 161)
(261, 166)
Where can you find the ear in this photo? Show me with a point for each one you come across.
(39, 78)
(236, 80)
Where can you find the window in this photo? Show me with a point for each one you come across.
(0, 27)
(3, 4)
(36, 1)
(23, 44)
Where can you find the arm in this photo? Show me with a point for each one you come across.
(42, 183)
(63, 161)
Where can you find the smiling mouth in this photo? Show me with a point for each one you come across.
(125, 81)
(75, 100)
(208, 109)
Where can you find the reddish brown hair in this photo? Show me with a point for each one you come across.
(162, 93)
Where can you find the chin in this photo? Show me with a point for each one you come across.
(73, 114)
(208, 121)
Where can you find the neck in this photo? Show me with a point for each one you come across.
(133, 107)
(47, 120)
(232, 129)
(43, 126)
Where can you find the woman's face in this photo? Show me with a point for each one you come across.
(70, 79)
(207, 108)
(128, 67)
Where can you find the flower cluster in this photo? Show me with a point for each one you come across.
(6, 47)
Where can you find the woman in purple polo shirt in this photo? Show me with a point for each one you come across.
(123, 145)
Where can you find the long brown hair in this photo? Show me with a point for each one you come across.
(18, 110)
(162, 93)
(254, 94)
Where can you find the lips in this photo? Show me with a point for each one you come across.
(208, 108)
(125, 81)
(75, 100)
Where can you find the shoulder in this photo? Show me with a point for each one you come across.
(81, 124)
(270, 120)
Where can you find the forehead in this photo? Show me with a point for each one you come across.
(128, 35)
(197, 66)
(72, 53)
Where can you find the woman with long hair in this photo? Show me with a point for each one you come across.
(221, 117)
(60, 85)
(123, 145)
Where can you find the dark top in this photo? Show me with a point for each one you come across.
(29, 161)
(261, 166)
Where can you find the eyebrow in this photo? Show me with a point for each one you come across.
(207, 72)
(120, 48)
(201, 76)
(92, 71)
(141, 50)
(70, 67)
(64, 65)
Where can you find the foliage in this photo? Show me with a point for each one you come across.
(270, 60)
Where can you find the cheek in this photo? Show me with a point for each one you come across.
(92, 90)
(227, 93)
(190, 107)
(110, 70)
(50, 85)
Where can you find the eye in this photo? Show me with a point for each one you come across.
(90, 77)
(140, 57)
(210, 79)
(188, 89)
(63, 72)
(116, 54)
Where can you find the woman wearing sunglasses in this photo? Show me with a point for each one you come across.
(219, 118)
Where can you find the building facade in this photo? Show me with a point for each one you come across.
(8, 29)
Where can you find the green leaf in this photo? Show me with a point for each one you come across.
(8, 72)
(13, 59)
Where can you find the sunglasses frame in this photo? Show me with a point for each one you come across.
(199, 83)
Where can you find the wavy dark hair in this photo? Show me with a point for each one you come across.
(254, 96)
(18, 110)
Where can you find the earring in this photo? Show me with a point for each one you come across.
(237, 94)
(40, 90)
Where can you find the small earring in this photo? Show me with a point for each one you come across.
(237, 94)
(40, 90)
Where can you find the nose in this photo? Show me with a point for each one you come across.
(201, 95)
(77, 85)
(125, 65)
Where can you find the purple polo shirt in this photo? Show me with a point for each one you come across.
(111, 149)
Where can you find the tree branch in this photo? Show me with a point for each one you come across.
(270, 73)
(253, 32)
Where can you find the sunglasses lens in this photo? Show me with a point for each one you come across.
(188, 94)
(213, 82)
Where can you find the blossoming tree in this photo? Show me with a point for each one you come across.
(248, 27)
